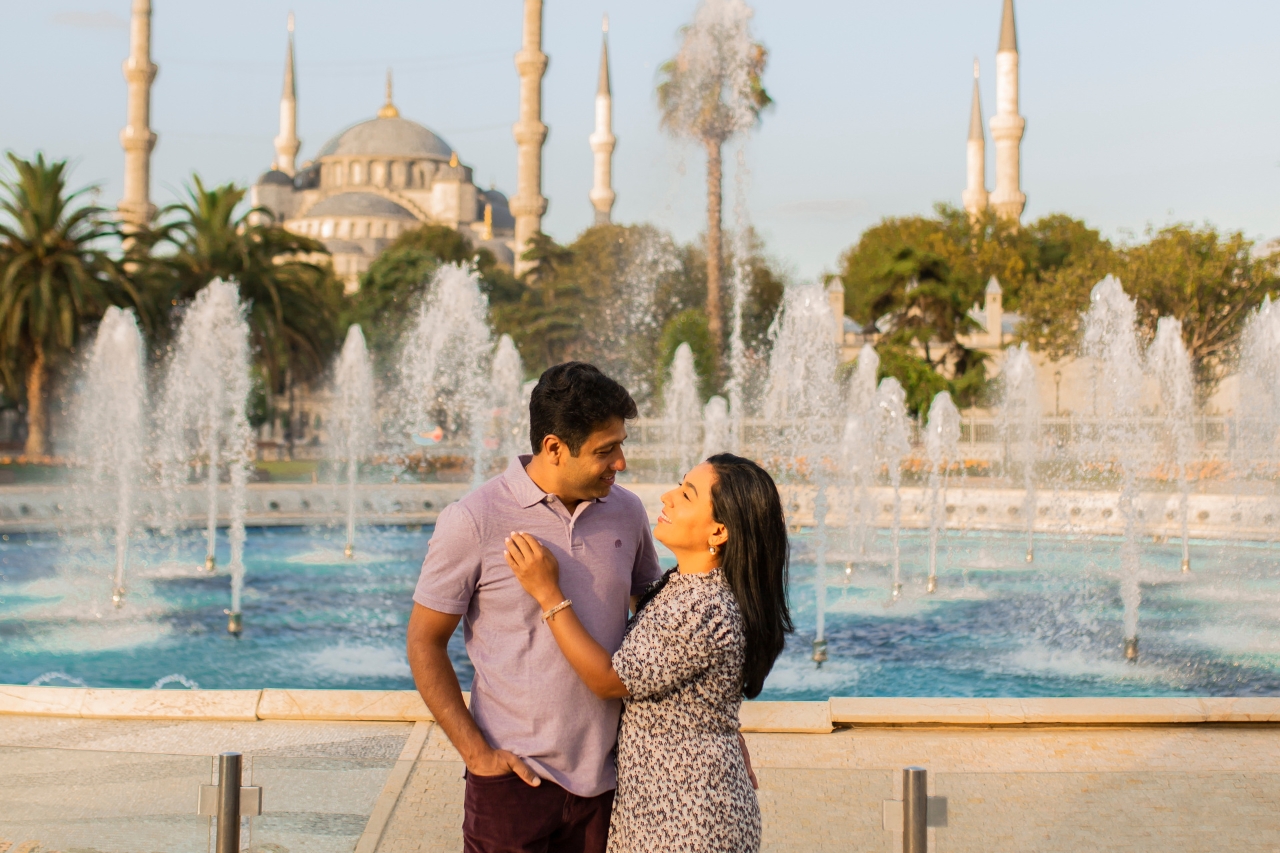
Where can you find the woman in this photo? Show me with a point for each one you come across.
(703, 637)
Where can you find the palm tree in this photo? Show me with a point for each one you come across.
(55, 278)
(709, 92)
(292, 293)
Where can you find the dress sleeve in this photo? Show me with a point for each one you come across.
(451, 568)
(667, 647)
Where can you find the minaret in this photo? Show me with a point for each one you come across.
(137, 139)
(529, 203)
(1006, 124)
(602, 140)
(287, 143)
(975, 194)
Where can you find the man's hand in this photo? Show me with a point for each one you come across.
(499, 762)
(536, 568)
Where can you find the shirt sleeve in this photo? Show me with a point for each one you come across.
(668, 647)
(646, 569)
(451, 568)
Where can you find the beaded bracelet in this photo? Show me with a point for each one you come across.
(553, 611)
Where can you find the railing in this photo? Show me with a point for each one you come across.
(57, 799)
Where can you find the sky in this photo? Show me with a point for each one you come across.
(1139, 113)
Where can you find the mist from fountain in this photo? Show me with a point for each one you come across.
(1167, 358)
(682, 413)
(351, 418)
(110, 428)
(1019, 425)
(859, 450)
(892, 446)
(1257, 446)
(715, 427)
(510, 406)
(942, 448)
(445, 366)
(800, 399)
(203, 417)
(1111, 340)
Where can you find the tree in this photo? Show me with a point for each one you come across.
(398, 278)
(1208, 280)
(293, 295)
(56, 278)
(711, 91)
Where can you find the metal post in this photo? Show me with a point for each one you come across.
(228, 839)
(915, 810)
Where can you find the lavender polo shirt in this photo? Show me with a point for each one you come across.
(525, 697)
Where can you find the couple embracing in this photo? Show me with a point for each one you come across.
(604, 706)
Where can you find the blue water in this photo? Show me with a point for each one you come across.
(995, 627)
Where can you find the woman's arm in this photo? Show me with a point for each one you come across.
(539, 573)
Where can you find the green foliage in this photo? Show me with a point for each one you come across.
(1208, 280)
(688, 327)
(293, 295)
(54, 278)
(916, 277)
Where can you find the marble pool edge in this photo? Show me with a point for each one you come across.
(795, 717)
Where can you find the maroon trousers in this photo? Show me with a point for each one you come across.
(503, 814)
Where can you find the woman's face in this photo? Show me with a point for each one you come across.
(685, 524)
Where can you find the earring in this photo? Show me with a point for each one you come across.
(712, 549)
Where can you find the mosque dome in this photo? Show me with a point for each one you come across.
(387, 137)
(358, 204)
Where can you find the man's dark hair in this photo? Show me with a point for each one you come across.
(573, 400)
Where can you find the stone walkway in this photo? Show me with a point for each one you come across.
(129, 786)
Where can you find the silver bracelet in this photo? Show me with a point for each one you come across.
(553, 611)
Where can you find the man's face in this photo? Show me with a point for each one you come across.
(590, 474)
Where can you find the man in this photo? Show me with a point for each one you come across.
(537, 743)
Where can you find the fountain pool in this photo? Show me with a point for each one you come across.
(996, 626)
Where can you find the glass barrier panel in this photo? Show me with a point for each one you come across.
(316, 804)
(1135, 812)
(824, 810)
(105, 802)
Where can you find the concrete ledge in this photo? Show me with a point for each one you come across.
(367, 705)
(805, 717)
(1051, 712)
(108, 703)
(812, 717)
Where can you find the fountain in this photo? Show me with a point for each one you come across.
(858, 444)
(351, 418)
(942, 447)
(203, 417)
(1121, 441)
(444, 367)
(1019, 421)
(1168, 359)
(892, 445)
(1258, 442)
(109, 428)
(715, 427)
(510, 403)
(682, 413)
(800, 396)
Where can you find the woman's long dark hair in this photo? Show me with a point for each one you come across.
(745, 500)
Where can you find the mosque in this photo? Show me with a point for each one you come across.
(386, 175)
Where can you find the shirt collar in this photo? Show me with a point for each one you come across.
(526, 492)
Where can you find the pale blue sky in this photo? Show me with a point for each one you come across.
(1139, 112)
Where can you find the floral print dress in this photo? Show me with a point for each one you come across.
(682, 782)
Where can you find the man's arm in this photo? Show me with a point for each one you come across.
(428, 647)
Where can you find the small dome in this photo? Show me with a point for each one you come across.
(358, 204)
(387, 137)
(275, 177)
(502, 218)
